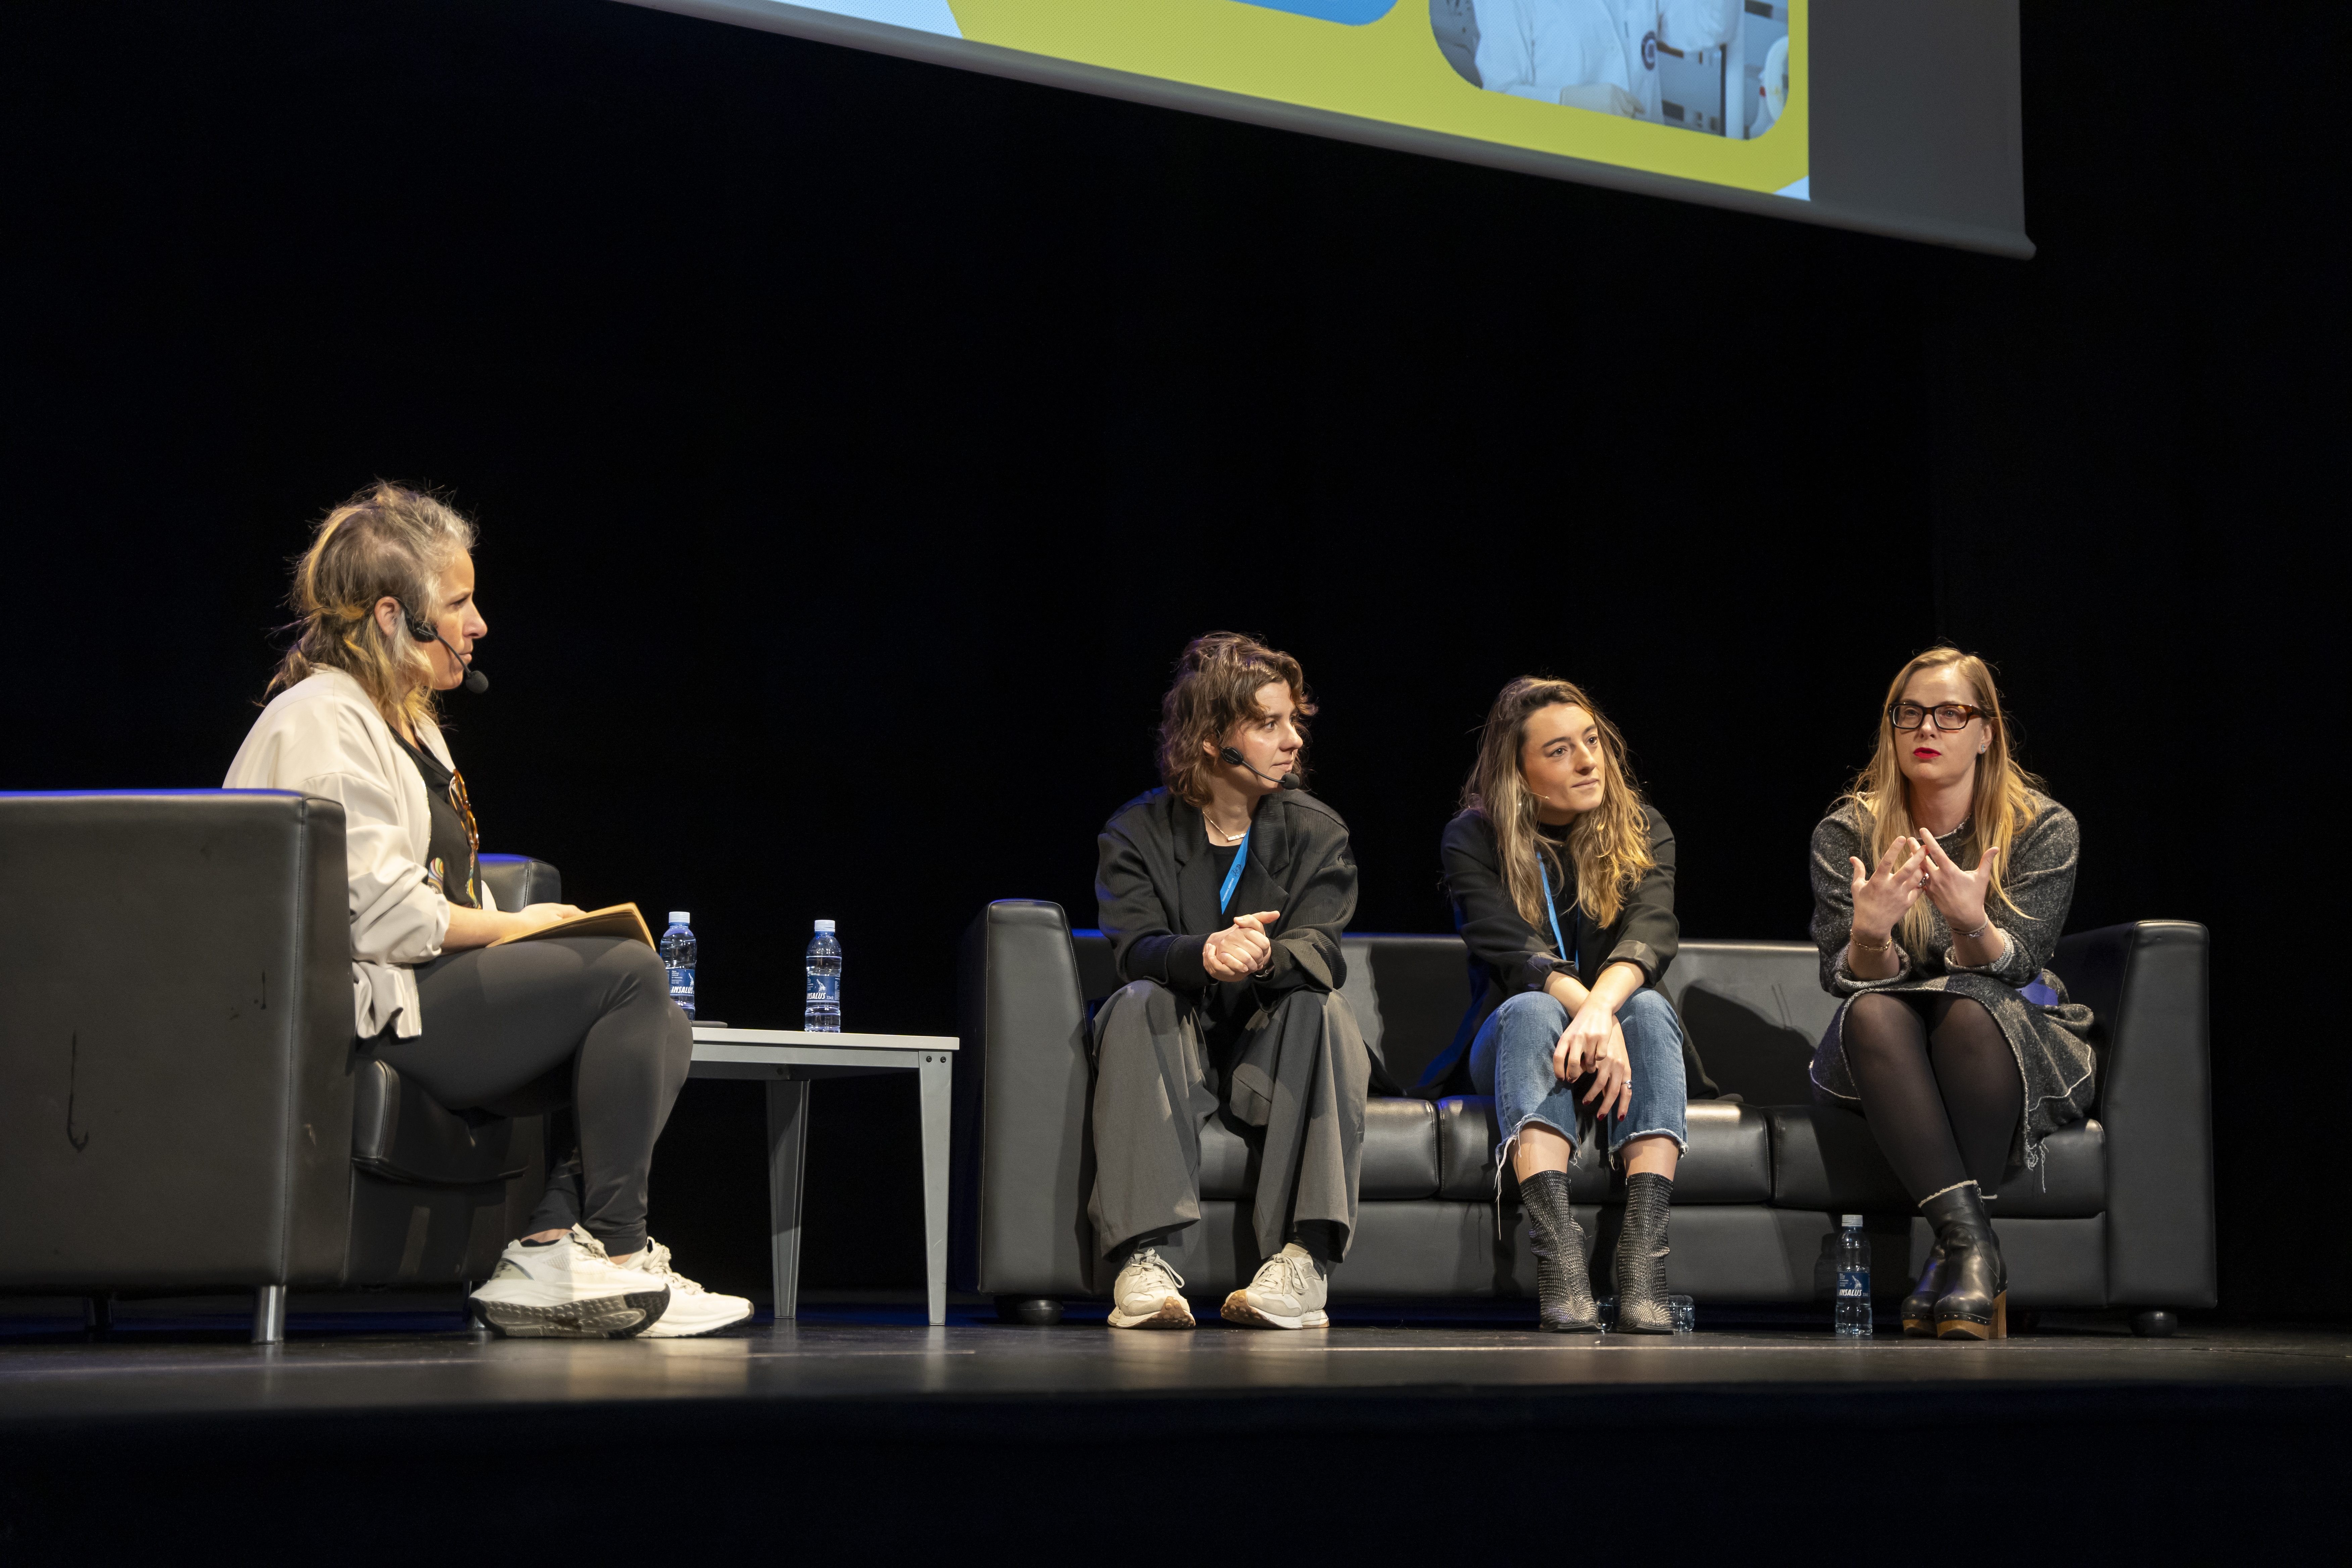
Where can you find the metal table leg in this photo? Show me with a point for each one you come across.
(935, 1073)
(787, 1151)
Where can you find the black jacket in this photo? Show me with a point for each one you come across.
(1507, 955)
(1155, 889)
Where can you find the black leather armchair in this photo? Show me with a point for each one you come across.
(181, 1106)
(2121, 1213)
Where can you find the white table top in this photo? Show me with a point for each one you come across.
(705, 1035)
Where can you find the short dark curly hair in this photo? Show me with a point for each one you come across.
(1218, 677)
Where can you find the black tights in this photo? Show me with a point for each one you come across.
(1939, 1085)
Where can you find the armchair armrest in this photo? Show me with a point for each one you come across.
(175, 1090)
(1023, 1163)
(2147, 984)
(517, 880)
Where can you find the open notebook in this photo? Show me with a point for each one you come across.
(614, 919)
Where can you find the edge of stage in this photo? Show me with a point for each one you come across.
(372, 1433)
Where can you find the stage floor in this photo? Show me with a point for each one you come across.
(852, 1356)
(861, 1431)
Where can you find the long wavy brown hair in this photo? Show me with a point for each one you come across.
(387, 540)
(1218, 677)
(2000, 801)
(1608, 847)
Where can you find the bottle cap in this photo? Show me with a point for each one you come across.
(824, 925)
(1851, 1221)
(679, 917)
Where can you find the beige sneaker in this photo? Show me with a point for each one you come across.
(1288, 1292)
(692, 1309)
(565, 1291)
(1148, 1294)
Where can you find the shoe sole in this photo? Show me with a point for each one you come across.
(598, 1317)
(1172, 1313)
(1996, 1328)
(1237, 1310)
(1592, 1327)
(670, 1329)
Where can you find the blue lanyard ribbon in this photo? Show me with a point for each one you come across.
(1550, 913)
(1233, 873)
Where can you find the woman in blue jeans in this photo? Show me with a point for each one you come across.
(1563, 887)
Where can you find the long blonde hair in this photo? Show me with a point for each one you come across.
(386, 541)
(2000, 798)
(1608, 845)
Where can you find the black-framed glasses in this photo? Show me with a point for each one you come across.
(1910, 715)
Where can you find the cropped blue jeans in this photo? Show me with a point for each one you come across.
(1511, 1059)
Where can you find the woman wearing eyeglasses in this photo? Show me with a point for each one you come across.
(1563, 886)
(385, 593)
(1940, 885)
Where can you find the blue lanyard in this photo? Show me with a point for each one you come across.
(1550, 913)
(1233, 873)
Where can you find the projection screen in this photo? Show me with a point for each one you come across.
(1895, 117)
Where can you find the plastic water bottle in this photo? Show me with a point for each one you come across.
(823, 1014)
(677, 957)
(1853, 1280)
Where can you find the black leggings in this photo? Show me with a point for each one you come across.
(584, 1021)
(1939, 1085)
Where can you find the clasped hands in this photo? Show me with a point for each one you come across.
(1593, 1042)
(1912, 866)
(1242, 949)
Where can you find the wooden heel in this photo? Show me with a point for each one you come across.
(2000, 1316)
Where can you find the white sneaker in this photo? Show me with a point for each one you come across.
(1147, 1294)
(692, 1309)
(1288, 1292)
(565, 1291)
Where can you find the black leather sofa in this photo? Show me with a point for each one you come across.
(2122, 1213)
(181, 1108)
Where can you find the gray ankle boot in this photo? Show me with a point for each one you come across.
(1563, 1287)
(1641, 1257)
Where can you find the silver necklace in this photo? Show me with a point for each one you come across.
(1228, 838)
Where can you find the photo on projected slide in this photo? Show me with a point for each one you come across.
(1718, 67)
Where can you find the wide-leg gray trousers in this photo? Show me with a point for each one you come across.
(1297, 1074)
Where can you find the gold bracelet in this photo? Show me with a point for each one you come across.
(1861, 946)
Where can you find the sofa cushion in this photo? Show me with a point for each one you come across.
(1729, 1160)
(1400, 1154)
(1828, 1159)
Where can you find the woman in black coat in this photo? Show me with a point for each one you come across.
(1224, 894)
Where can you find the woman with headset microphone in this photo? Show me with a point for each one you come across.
(385, 595)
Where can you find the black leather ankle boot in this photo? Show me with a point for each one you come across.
(1975, 1302)
(1919, 1307)
(1641, 1251)
(1563, 1284)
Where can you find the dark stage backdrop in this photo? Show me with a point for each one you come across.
(855, 443)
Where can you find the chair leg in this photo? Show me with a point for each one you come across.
(270, 1314)
(98, 1317)
(2155, 1324)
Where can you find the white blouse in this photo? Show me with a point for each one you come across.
(324, 737)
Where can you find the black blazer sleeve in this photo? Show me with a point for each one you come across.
(1144, 941)
(1647, 929)
(1489, 922)
(1321, 904)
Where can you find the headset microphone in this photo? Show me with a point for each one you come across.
(475, 682)
(1233, 759)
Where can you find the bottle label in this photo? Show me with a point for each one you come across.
(1853, 1282)
(824, 988)
(681, 980)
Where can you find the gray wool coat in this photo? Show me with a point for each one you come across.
(2051, 1040)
